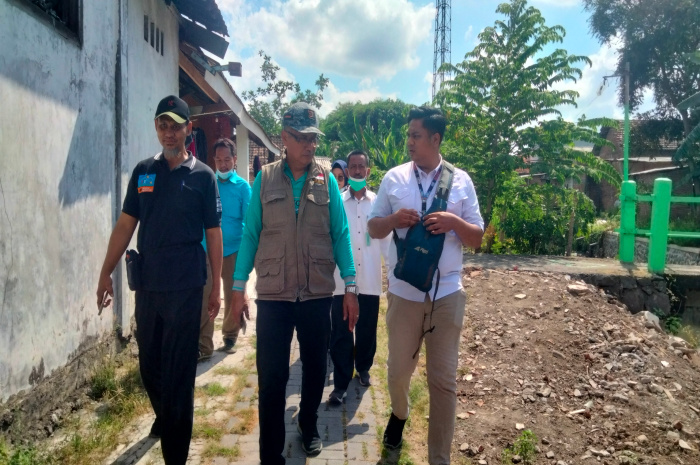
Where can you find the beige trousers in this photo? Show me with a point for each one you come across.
(206, 326)
(406, 320)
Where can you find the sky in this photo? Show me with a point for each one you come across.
(384, 48)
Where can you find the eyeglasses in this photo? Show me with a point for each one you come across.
(310, 139)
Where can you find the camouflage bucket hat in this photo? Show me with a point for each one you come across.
(302, 118)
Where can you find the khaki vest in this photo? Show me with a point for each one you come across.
(295, 254)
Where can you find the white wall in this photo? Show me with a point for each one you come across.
(60, 190)
(147, 77)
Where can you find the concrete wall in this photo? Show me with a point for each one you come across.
(75, 121)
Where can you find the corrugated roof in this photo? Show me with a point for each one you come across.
(205, 12)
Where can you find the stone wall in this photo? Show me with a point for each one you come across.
(675, 255)
(637, 293)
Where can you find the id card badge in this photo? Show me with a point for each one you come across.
(368, 239)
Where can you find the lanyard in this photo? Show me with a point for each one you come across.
(424, 195)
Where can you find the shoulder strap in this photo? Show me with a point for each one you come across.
(445, 182)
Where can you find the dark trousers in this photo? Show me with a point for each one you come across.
(167, 333)
(274, 326)
(358, 352)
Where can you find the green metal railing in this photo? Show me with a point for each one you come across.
(661, 200)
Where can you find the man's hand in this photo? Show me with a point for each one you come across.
(351, 310)
(214, 302)
(104, 285)
(239, 305)
(405, 218)
(440, 222)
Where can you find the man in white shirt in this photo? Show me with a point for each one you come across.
(367, 254)
(405, 194)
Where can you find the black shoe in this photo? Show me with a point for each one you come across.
(156, 429)
(336, 397)
(364, 378)
(311, 443)
(393, 435)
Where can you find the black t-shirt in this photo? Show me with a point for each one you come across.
(173, 208)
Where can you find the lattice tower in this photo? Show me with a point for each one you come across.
(443, 41)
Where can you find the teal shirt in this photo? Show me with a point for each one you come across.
(340, 231)
(235, 197)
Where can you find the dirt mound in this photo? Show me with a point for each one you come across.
(593, 382)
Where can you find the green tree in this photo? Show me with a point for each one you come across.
(503, 89)
(658, 39)
(267, 103)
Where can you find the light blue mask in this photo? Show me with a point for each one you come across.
(357, 184)
(225, 175)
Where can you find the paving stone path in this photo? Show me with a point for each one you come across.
(348, 431)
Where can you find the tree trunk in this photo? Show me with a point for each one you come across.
(572, 218)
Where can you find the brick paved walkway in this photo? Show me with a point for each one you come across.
(349, 431)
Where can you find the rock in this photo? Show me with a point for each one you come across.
(678, 425)
(673, 436)
(520, 296)
(558, 354)
(577, 289)
(516, 459)
(463, 447)
(634, 299)
(659, 301)
(463, 416)
(655, 389)
(620, 398)
(684, 445)
(642, 439)
(599, 453)
(550, 454)
(577, 393)
(519, 426)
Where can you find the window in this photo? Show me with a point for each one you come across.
(153, 34)
(63, 15)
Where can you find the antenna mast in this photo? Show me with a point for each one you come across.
(443, 41)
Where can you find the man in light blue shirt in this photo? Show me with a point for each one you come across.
(235, 197)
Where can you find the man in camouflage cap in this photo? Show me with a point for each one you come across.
(295, 233)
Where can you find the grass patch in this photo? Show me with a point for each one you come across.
(213, 390)
(207, 430)
(202, 412)
(225, 371)
(213, 450)
(124, 398)
(248, 421)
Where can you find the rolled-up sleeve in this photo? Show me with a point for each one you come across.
(470, 206)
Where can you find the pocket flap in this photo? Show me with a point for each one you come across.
(274, 195)
(269, 268)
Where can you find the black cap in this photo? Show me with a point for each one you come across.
(174, 107)
(301, 117)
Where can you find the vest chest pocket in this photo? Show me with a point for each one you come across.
(316, 208)
(269, 264)
(321, 265)
(273, 207)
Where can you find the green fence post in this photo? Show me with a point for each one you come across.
(628, 213)
(660, 211)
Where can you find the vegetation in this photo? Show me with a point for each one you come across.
(503, 103)
(266, 104)
(524, 447)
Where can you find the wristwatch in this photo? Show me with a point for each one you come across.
(352, 288)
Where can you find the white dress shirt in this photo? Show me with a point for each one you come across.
(399, 189)
(366, 252)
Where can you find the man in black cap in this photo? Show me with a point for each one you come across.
(175, 197)
(295, 232)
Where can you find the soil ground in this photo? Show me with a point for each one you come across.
(591, 380)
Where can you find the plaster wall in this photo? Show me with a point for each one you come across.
(147, 76)
(56, 182)
(78, 116)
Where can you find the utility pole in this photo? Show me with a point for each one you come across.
(443, 41)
